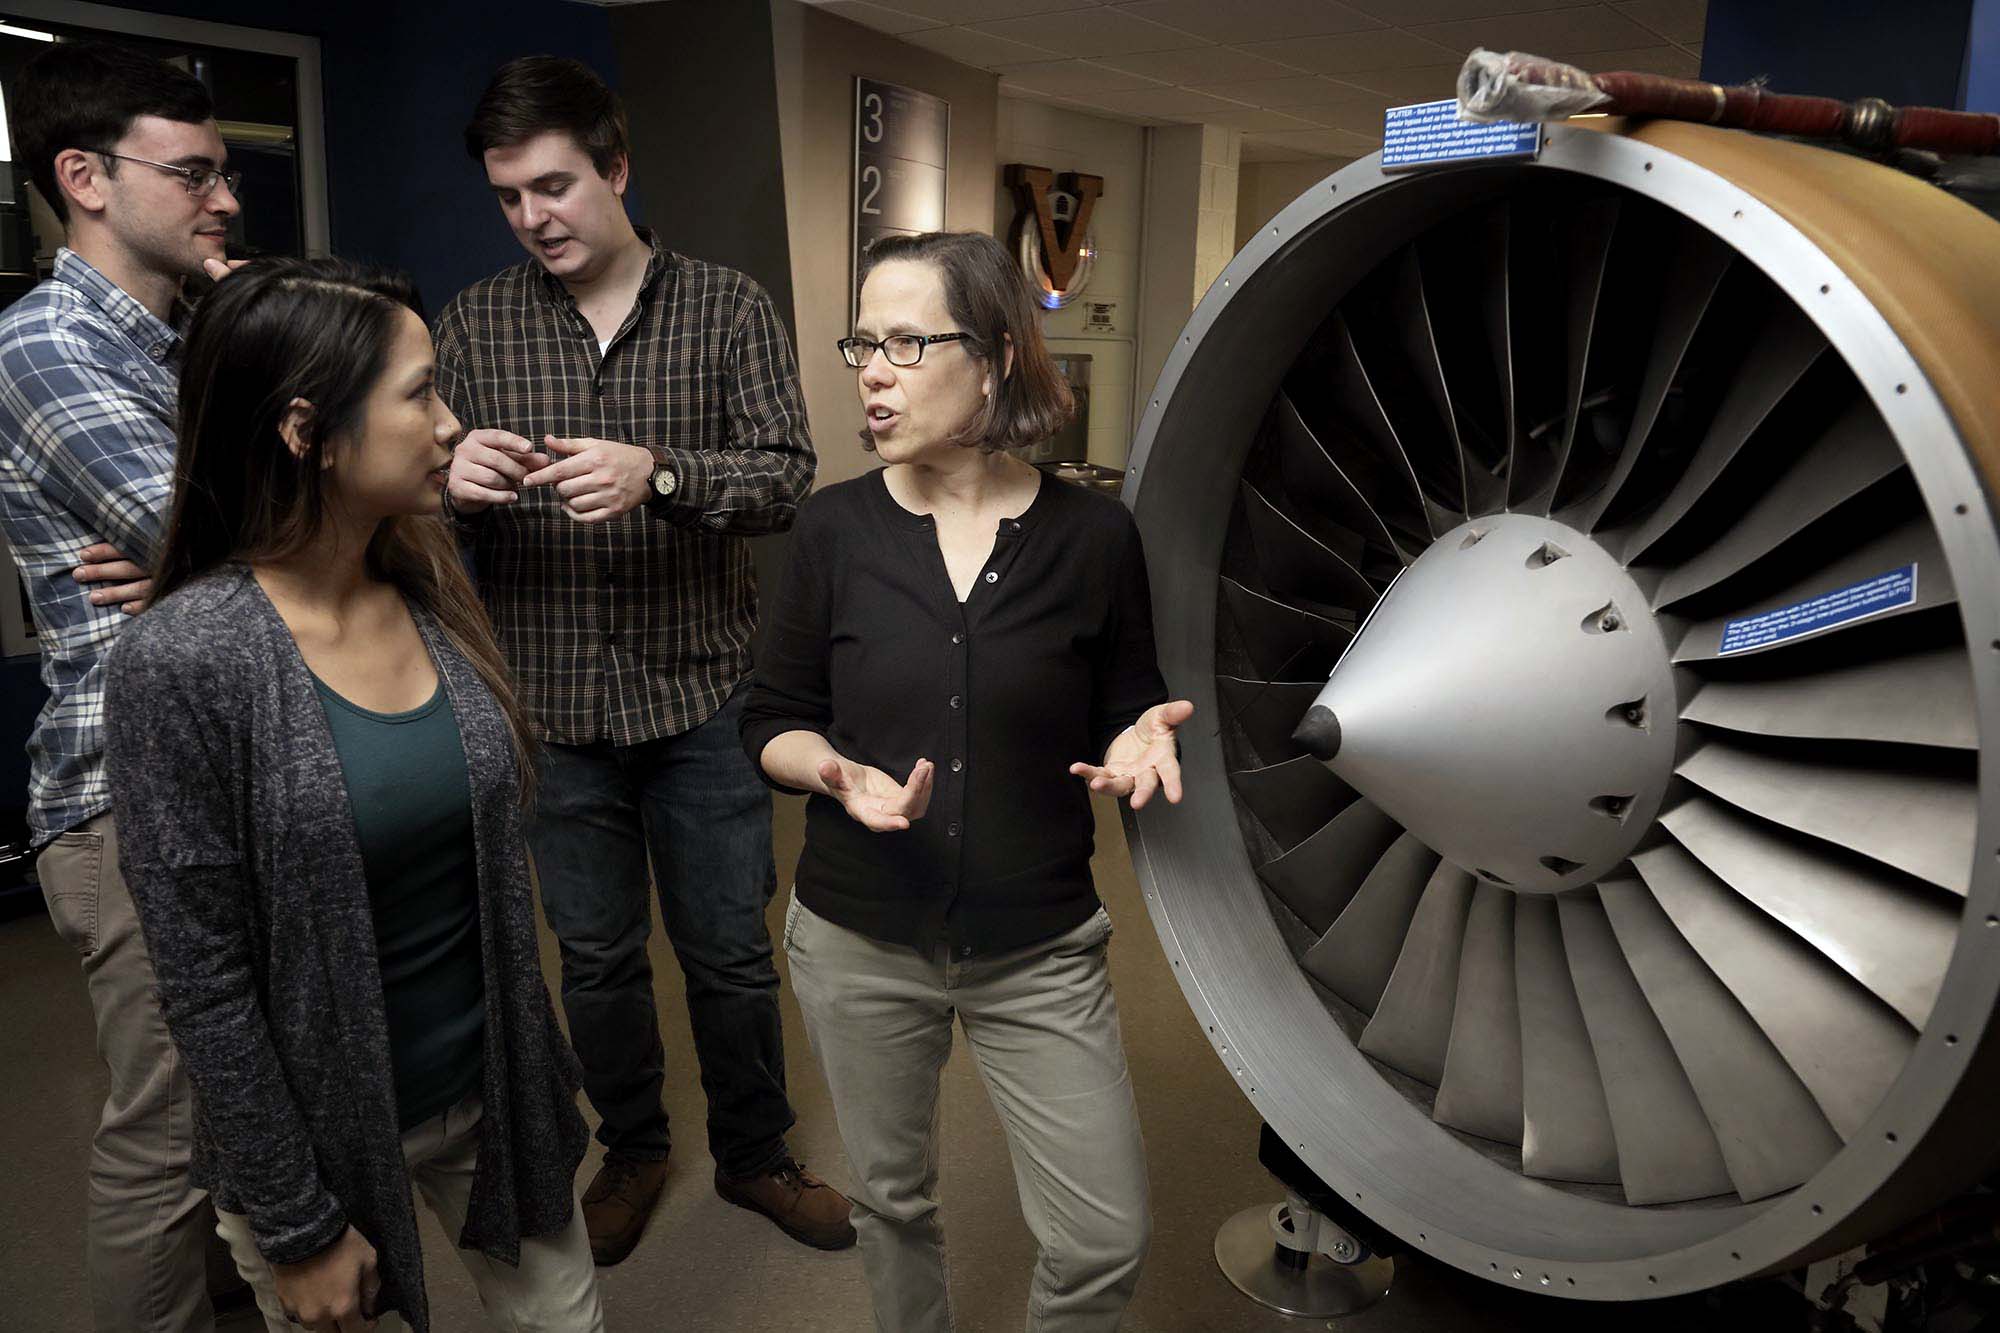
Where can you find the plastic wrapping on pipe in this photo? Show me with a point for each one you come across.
(1518, 86)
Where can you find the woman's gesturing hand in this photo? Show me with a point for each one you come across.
(1144, 759)
(873, 798)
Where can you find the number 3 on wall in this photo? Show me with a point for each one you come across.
(868, 200)
(871, 129)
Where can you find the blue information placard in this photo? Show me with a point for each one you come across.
(1857, 601)
(1431, 132)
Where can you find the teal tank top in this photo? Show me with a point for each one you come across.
(406, 780)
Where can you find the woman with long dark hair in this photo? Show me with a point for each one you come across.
(319, 774)
(961, 653)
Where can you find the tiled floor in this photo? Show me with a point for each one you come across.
(705, 1267)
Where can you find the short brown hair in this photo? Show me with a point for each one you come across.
(988, 298)
(537, 94)
(86, 95)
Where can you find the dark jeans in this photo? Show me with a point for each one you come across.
(693, 802)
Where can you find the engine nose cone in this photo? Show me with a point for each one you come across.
(1319, 734)
(1510, 703)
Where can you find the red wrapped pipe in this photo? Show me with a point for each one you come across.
(1516, 86)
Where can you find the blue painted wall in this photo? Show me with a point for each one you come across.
(1982, 58)
(1912, 53)
(399, 81)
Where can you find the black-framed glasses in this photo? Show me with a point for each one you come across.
(902, 349)
(200, 181)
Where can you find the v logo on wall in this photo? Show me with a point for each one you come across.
(1052, 230)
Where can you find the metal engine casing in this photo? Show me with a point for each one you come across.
(1904, 284)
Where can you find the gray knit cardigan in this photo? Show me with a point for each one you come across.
(238, 842)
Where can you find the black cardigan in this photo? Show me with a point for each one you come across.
(1048, 659)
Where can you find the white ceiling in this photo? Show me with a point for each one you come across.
(1300, 78)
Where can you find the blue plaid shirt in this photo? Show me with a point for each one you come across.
(88, 386)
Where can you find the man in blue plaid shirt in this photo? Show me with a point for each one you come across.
(126, 151)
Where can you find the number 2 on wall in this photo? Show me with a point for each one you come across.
(871, 130)
(868, 200)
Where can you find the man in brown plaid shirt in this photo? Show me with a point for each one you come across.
(662, 398)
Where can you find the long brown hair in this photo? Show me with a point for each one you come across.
(989, 299)
(321, 330)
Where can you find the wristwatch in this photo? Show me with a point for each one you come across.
(664, 482)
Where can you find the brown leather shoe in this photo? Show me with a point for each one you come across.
(620, 1199)
(805, 1207)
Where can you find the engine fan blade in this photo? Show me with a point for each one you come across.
(1361, 408)
(1298, 565)
(1411, 1029)
(1496, 313)
(1777, 362)
(1418, 342)
(1481, 1091)
(1588, 244)
(1284, 642)
(1268, 711)
(1771, 1132)
(1910, 810)
(1566, 1124)
(1667, 1152)
(1924, 698)
(1699, 266)
(1358, 952)
(1892, 935)
(1845, 1045)
(1320, 876)
(1312, 478)
(1855, 454)
(1293, 799)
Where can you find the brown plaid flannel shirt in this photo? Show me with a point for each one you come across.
(638, 628)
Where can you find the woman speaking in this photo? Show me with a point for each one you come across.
(961, 653)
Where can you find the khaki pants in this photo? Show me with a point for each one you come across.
(1043, 1029)
(147, 1226)
(554, 1290)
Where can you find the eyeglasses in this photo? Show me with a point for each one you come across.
(902, 349)
(200, 181)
